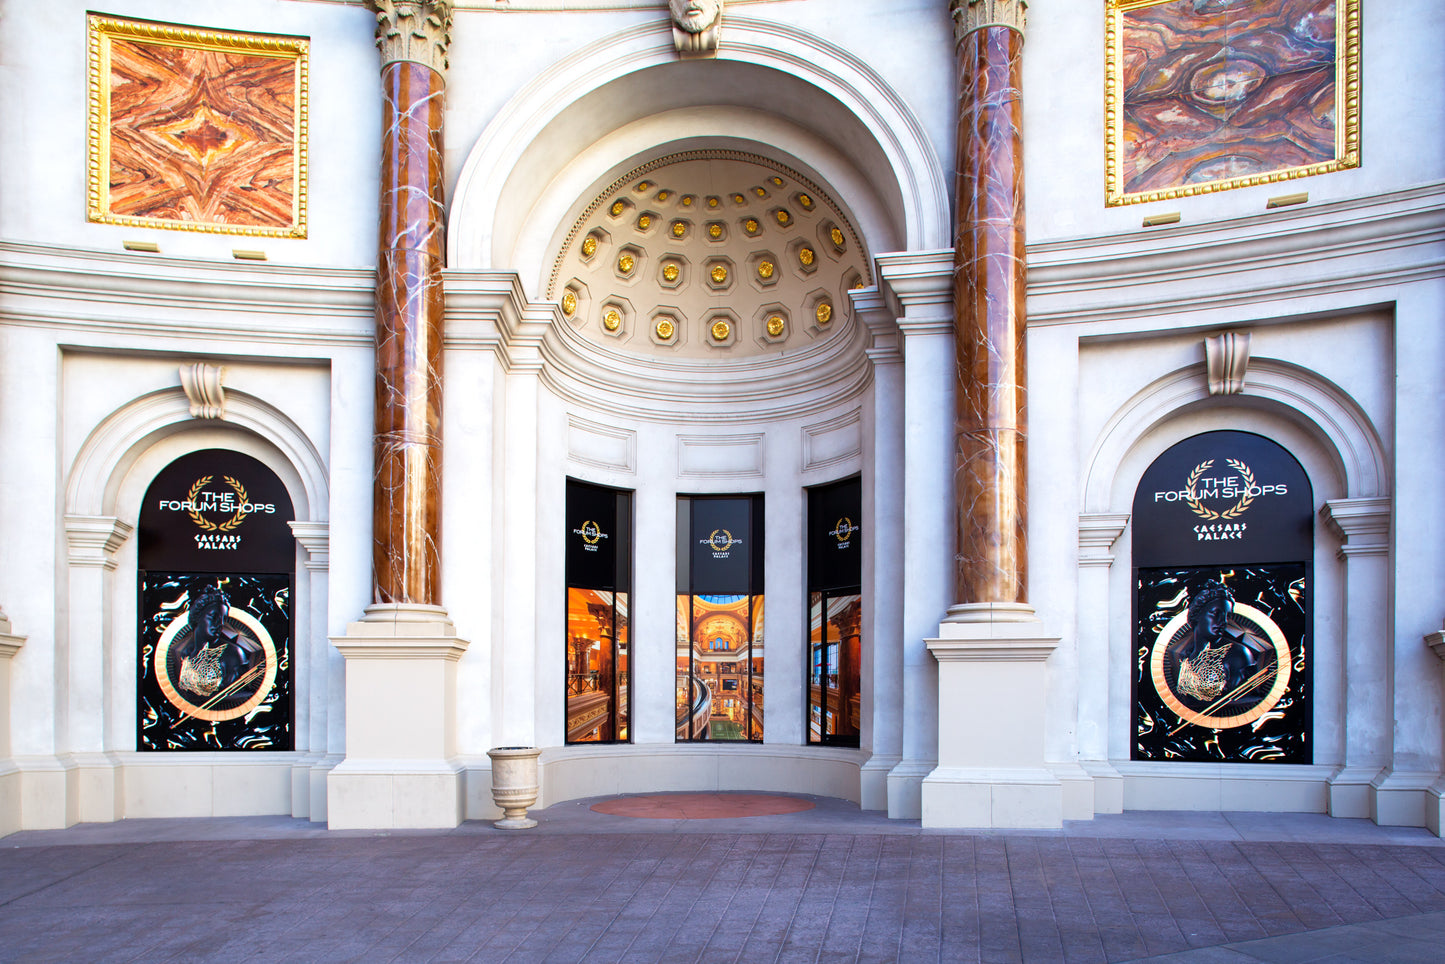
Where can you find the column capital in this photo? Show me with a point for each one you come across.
(419, 31)
(971, 15)
(315, 538)
(92, 540)
(919, 284)
(1362, 525)
(1098, 531)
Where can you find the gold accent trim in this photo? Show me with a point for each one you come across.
(1287, 200)
(679, 228)
(665, 329)
(720, 332)
(671, 272)
(589, 246)
(765, 270)
(1347, 111)
(775, 325)
(626, 263)
(644, 222)
(805, 257)
(612, 320)
(719, 274)
(1154, 220)
(824, 312)
(241, 254)
(102, 31)
(150, 246)
(569, 303)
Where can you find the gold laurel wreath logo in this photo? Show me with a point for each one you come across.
(591, 533)
(727, 540)
(1233, 511)
(206, 525)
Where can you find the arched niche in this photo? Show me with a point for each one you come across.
(804, 102)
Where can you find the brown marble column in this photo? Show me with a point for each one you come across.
(991, 425)
(406, 557)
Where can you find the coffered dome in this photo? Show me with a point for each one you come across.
(709, 254)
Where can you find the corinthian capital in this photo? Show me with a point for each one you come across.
(971, 15)
(418, 31)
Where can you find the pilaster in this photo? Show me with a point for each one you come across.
(1098, 532)
(918, 286)
(10, 644)
(1363, 528)
(308, 778)
(92, 790)
(1435, 795)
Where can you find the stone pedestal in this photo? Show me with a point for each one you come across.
(991, 691)
(399, 770)
(1435, 795)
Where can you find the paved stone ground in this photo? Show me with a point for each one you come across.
(830, 884)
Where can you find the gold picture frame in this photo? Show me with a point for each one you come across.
(282, 211)
(1345, 112)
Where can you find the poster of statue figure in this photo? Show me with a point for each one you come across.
(1222, 665)
(215, 662)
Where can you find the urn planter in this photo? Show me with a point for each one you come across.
(514, 784)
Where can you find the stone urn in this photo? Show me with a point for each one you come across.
(514, 784)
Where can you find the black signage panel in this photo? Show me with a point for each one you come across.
(216, 558)
(726, 542)
(216, 511)
(1223, 498)
(835, 536)
(1223, 541)
(599, 526)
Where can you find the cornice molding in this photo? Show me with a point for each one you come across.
(1375, 243)
(315, 538)
(1098, 531)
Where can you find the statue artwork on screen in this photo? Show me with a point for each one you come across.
(696, 25)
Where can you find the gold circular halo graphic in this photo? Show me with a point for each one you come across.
(1241, 617)
(236, 619)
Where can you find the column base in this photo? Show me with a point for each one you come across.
(1400, 798)
(1015, 798)
(905, 789)
(1108, 786)
(991, 708)
(1350, 791)
(394, 795)
(873, 782)
(1435, 807)
(399, 771)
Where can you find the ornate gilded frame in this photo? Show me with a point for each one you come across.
(102, 31)
(1347, 110)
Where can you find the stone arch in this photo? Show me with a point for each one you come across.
(1343, 437)
(150, 431)
(533, 161)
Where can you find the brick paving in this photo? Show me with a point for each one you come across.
(819, 886)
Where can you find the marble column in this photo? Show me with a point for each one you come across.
(991, 648)
(406, 554)
(401, 767)
(991, 427)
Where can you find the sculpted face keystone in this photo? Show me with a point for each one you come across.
(695, 16)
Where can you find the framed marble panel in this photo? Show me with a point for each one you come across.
(1208, 95)
(196, 130)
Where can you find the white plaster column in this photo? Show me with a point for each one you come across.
(1363, 527)
(883, 586)
(91, 785)
(1098, 531)
(1435, 796)
(308, 781)
(9, 774)
(920, 285)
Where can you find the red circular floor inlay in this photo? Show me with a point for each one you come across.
(702, 806)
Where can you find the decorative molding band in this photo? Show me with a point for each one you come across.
(971, 15)
(1362, 525)
(202, 385)
(992, 650)
(1098, 531)
(92, 540)
(602, 446)
(1226, 359)
(720, 456)
(315, 538)
(836, 441)
(415, 31)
